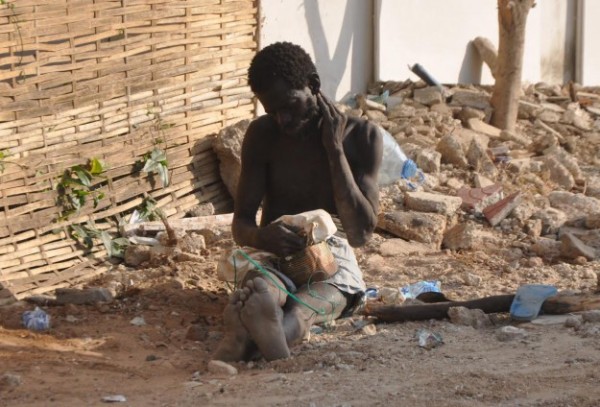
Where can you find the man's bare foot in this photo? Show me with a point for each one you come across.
(236, 345)
(262, 317)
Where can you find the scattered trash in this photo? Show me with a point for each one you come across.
(116, 398)
(138, 321)
(529, 299)
(418, 70)
(395, 165)
(428, 339)
(36, 320)
(412, 291)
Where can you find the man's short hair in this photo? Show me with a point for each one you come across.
(280, 60)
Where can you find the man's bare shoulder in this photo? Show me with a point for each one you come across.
(260, 134)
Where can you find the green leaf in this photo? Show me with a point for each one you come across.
(163, 171)
(107, 242)
(83, 175)
(97, 166)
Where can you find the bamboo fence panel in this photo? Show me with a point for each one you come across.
(112, 80)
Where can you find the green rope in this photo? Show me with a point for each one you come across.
(266, 274)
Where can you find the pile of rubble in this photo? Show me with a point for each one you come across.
(535, 191)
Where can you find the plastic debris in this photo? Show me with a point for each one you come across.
(36, 320)
(428, 339)
(395, 165)
(412, 291)
(116, 398)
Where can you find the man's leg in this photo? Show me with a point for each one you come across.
(322, 302)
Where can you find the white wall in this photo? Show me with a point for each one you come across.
(338, 34)
(589, 48)
(437, 35)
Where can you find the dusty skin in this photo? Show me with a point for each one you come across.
(94, 351)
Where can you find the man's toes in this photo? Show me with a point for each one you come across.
(260, 285)
(235, 297)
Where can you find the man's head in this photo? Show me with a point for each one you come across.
(286, 82)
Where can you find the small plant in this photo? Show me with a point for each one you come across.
(75, 187)
(85, 235)
(156, 162)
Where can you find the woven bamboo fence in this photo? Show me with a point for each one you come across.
(110, 80)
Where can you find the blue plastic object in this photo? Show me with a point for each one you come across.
(420, 287)
(36, 320)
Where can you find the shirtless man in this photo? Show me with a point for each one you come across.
(304, 154)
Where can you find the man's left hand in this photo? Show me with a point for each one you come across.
(333, 125)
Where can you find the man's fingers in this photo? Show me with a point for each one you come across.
(325, 109)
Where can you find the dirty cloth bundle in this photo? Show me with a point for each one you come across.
(326, 258)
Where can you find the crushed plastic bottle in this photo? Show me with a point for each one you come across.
(412, 291)
(36, 320)
(395, 165)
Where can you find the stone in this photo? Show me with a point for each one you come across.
(475, 318)
(429, 202)
(592, 221)
(482, 181)
(474, 99)
(466, 236)
(578, 117)
(427, 96)
(575, 204)
(510, 333)
(572, 248)
(559, 174)
(400, 247)
(467, 113)
(533, 227)
(552, 219)
(566, 159)
(549, 116)
(401, 111)
(442, 109)
(479, 160)
(506, 135)
(366, 104)
(83, 296)
(219, 367)
(205, 209)
(376, 116)
(471, 280)
(528, 110)
(466, 136)
(197, 332)
(452, 152)
(591, 316)
(546, 248)
(479, 126)
(135, 255)
(498, 211)
(573, 322)
(8, 380)
(418, 226)
(228, 147)
(476, 199)
(429, 160)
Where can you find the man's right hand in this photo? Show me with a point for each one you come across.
(278, 239)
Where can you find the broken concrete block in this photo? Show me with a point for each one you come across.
(479, 160)
(428, 202)
(592, 221)
(546, 248)
(418, 226)
(552, 220)
(559, 174)
(510, 333)
(228, 147)
(476, 199)
(578, 117)
(205, 209)
(575, 205)
(482, 181)
(401, 111)
(498, 211)
(442, 109)
(83, 296)
(572, 248)
(376, 116)
(428, 96)
(366, 104)
(474, 99)
(219, 367)
(475, 318)
(401, 247)
(506, 135)
(566, 159)
(429, 161)
(479, 126)
(135, 255)
(528, 110)
(451, 150)
(467, 113)
(461, 236)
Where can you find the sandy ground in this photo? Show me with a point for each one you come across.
(95, 351)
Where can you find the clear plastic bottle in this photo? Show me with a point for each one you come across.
(395, 165)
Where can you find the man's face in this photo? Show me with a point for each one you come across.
(292, 109)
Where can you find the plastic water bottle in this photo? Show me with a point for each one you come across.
(420, 287)
(395, 165)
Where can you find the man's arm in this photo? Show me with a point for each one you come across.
(355, 189)
(274, 238)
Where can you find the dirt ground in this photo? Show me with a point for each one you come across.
(92, 352)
